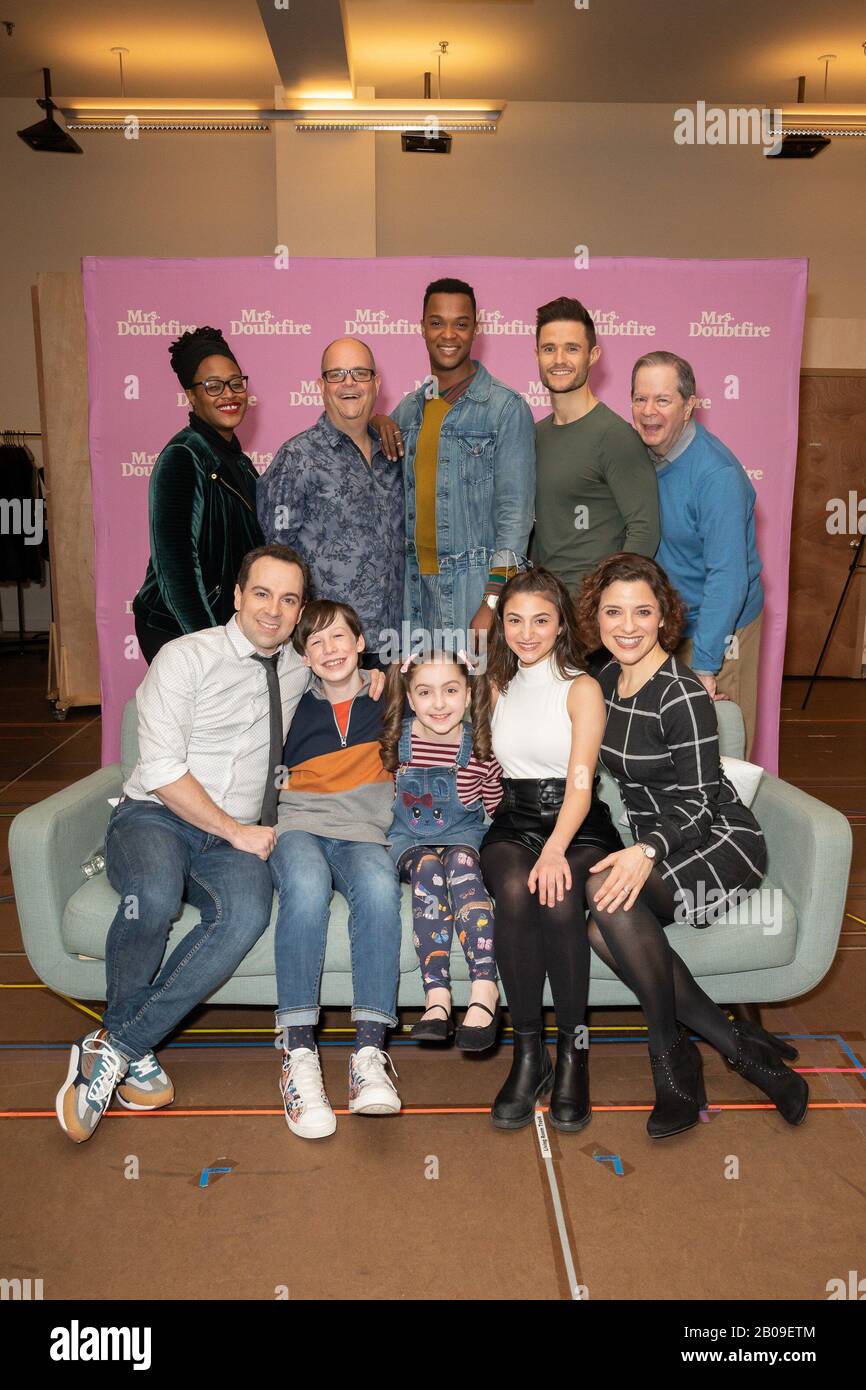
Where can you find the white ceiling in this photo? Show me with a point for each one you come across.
(522, 50)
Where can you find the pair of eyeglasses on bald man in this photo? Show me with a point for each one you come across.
(334, 375)
(214, 385)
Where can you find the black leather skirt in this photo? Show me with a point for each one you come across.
(529, 808)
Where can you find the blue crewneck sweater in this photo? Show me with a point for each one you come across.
(708, 549)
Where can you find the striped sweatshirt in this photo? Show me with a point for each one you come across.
(336, 786)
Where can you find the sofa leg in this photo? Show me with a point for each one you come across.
(750, 1013)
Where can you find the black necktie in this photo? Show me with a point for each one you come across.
(275, 758)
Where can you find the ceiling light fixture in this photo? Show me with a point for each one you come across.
(307, 115)
(48, 136)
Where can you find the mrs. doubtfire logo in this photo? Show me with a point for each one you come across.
(610, 324)
(493, 323)
(262, 323)
(375, 322)
(147, 323)
(712, 324)
(138, 465)
(307, 394)
(537, 394)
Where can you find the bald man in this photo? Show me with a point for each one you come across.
(333, 496)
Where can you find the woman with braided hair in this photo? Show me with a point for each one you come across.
(201, 502)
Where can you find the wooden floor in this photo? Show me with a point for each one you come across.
(358, 1215)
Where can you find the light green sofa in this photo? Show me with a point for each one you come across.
(739, 960)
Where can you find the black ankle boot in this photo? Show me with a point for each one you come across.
(569, 1105)
(756, 1033)
(531, 1076)
(680, 1094)
(760, 1063)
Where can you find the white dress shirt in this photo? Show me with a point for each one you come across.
(203, 708)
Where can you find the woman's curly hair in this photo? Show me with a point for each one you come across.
(627, 568)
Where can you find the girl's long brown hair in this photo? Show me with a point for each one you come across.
(568, 653)
(397, 685)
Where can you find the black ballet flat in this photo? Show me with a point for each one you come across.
(434, 1029)
(479, 1039)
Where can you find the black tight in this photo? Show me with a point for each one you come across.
(636, 948)
(534, 941)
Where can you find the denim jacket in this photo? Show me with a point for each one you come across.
(485, 486)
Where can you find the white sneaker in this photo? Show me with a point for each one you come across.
(371, 1091)
(308, 1110)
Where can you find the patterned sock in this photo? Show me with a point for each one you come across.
(304, 1035)
(369, 1033)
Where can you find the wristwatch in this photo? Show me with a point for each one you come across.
(649, 850)
(491, 600)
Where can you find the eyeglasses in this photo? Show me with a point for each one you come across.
(334, 375)
(214, 385)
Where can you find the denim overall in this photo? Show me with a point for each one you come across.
(427, 809)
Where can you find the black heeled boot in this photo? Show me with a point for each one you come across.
(531, 1076)
(569, 1105)
(760, 1063)
(680, 1095)
(756, 1033)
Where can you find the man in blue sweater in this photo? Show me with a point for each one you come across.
(708, 549)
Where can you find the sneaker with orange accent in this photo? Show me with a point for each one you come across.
(146, 1086)
(95, 1068)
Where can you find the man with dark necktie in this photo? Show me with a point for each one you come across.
(196, 822)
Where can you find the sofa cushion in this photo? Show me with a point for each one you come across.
(760, 933)
(91, 908)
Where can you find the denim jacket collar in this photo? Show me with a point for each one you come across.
(478, 389)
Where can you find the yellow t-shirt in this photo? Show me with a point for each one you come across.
(426, 466)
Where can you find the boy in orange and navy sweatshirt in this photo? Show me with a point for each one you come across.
(333, 816)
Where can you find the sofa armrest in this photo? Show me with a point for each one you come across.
(809, 857)
(47, 845)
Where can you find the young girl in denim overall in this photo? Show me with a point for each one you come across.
(445, 780)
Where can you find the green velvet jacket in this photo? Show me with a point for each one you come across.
(202, 517)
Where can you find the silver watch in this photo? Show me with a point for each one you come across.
(649, 850)
(491, 600)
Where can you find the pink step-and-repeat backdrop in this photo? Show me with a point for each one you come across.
(740, 323)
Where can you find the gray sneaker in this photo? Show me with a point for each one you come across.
(95, 1067)
(146, 1086)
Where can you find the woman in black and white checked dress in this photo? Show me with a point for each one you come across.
(662, 747)
(697, 847)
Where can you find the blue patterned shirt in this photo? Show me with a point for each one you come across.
(345, 516)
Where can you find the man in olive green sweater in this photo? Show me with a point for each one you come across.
(595, 494)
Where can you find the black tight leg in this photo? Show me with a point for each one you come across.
(636, 948)
(534, 941)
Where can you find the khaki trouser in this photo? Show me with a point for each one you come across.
(738, 678)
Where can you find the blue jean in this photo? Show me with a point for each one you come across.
(306, 869)
(154, 860)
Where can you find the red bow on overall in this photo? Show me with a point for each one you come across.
(425, 800)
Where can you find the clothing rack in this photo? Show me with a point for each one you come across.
(14, 438)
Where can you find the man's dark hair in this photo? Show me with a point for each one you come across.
(275, 552)
(565, 310)
(449, 286)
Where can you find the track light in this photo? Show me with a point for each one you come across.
(47, 136)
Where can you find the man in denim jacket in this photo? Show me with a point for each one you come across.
(468, 448)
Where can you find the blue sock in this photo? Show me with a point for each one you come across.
(304, 1035)
(369, 1033)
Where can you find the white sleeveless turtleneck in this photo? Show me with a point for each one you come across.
(530, 725)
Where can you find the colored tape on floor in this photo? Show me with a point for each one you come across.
(574, 1287)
